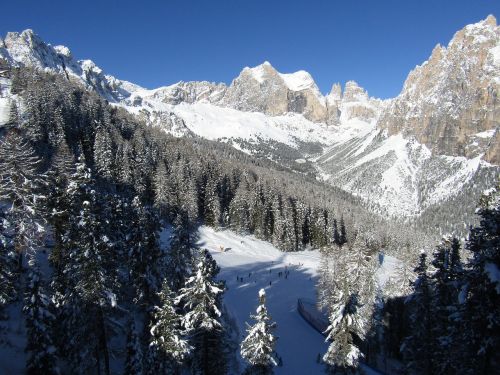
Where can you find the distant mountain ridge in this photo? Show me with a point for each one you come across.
(402, 155)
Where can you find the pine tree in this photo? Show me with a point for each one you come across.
(160, 184)
(7, 264)
(258, 346)
(166, 337)
(416, 348)
(88, 292)
(133, 360)
(39, 319)
(103, 153)
(481, 312)
(343, 234)
(201, 297)
(442, 302)
(21, 185)
(179, 257)
(336, 235)
(144, 253)
(343, 354)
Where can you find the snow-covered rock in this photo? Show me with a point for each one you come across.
(401, 155)
(453, 96)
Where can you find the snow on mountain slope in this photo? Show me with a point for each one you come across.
(215, 123)
(361, 144)
(398, 175)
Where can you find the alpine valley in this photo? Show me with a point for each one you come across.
(434, 145)
(140, 229)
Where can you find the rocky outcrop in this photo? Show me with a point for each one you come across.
(27, 49)
(190, 92)
(260, 89)
(451, 102)
(264, 89)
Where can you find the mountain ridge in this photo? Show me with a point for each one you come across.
(401, 155)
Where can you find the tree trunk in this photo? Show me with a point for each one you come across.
(103, 341)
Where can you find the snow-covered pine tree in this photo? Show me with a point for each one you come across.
(443, 303)
(239, 209)
(57, 203)
(212, 209)
(103, 153)
(344, 331)
(201, 298)
(180, 257)
(7, 264)
(41, 353)
(336, 235)
(133, 359)
(481, 311)
(167, 341)
(160, 185)
(20, 185)
(88, 291)
(343, 233)
(416, 348)
(144, 254)
(258, 346)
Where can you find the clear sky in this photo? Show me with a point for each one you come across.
(155, 43)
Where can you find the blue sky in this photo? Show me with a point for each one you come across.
(155, 43)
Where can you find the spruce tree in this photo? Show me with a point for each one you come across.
(167, 343)
(180, 257)
(7, 264)
(416, 347)
(21, 185)
(201, 298)
(144, 254)
(343, 234)
(133, 360)
(88, 292)
(41, 352)
(481, 311)
(343, 354)
(258, 346)
(336, 235)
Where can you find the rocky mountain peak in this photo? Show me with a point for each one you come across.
(354, 93)
(451, 100)
(260, 73)
(335, 93)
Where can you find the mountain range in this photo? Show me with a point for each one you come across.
(437, 143)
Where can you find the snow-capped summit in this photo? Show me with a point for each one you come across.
(28, 49)
(403, 154)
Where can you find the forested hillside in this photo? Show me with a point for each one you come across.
(91, 186)
(86, 189)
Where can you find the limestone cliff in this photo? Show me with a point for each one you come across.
(451, 102)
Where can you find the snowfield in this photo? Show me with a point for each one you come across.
(258, 263)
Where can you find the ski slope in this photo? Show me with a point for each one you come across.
(298, 343)
(258, 263)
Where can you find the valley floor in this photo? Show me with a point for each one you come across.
(259, 263)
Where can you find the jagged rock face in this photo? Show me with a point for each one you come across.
(27, 49)
(259, 89)
(190, 92)
(356, 104)
(263, 89)
(451, 103)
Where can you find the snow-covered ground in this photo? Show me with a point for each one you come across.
(4, 111)
(258, 263)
